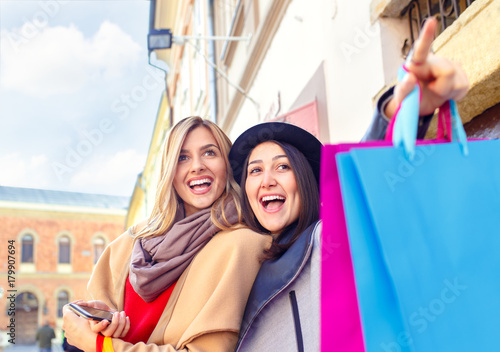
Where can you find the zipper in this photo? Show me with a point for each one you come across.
(296, 321)
(308, 254)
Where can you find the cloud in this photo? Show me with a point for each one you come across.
(59, 60)
(115, 175)
(24, 172)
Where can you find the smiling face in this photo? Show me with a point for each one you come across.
(200, 176)
(271, 187)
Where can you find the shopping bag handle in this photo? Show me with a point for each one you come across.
(404, 124)
(444, 129)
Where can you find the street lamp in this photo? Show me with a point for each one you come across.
(163, 39)
(159, 39)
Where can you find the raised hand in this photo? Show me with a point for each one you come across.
(440, 79)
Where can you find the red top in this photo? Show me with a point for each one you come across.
(143, 316)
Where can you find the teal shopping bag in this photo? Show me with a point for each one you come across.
(425, 243)
(424, 232)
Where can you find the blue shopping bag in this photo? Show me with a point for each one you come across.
(425, 244)
(424, 231)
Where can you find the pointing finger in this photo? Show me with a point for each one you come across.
(422, 45)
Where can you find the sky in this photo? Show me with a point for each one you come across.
(78, 99)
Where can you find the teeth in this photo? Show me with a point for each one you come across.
(270, 198)
(199, 182)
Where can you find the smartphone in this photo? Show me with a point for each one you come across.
(91, 313)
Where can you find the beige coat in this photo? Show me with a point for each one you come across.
(206, 307)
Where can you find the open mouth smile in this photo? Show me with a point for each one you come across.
(200, 186)
(272, 203)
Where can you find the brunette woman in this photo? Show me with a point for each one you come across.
(277, 165)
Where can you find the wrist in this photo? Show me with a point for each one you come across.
(389, 109)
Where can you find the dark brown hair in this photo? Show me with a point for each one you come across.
(309, 200)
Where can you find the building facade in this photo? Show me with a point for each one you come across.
(320, 65)
(51, 241)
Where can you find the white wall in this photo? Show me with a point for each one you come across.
(338, 33)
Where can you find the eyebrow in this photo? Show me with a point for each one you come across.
(274, 158)
(202, 148)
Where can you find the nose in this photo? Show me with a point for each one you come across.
(197, 164)
(268, 180)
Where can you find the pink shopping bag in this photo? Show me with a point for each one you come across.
(341, 328)
(340, 320)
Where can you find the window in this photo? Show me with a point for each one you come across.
(225, 10)
(99, 246)
(198, 73)
(62, 299)
(64, 250)
(27, 249)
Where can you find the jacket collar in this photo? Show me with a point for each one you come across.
(275, 275)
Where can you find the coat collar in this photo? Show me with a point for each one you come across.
(275, 275)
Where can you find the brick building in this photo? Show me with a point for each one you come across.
(54, 239)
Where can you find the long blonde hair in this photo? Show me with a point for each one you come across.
(167, 201)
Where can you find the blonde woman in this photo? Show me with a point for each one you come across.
(180, 280)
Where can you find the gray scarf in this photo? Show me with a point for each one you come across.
(159, 261)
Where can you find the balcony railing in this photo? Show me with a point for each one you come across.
(447, 11)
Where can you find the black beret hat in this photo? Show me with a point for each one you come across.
(304, 141)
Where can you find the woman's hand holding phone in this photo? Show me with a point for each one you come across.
(117, 327)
